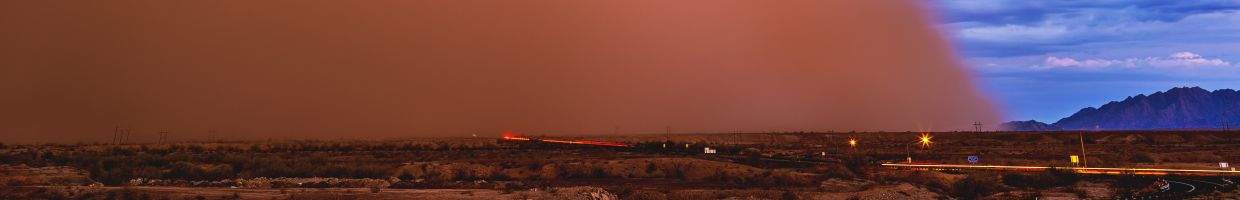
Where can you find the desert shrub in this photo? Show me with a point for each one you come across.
(1050, 178)
(499, 175)
(690, 195)
(1074, 189)
(1190, 157)
(549, 172)
(1143, 157)
(858, 164)
(405, 176)
(463, 175)
(789, 195)
(645, 195)
(977, 185)
(411, 185)
(931, 179)
(789, 178)
(834, 171)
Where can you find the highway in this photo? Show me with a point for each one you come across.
(577, 142)
(1080, 170)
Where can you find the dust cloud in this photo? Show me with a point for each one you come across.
(73, 70)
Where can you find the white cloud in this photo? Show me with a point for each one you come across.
(1013, 33)
(1175, 60)
(1053, 61)
(1186, 59)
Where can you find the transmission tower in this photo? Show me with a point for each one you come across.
(119, 134)
(163, 136)
(116, 132)
(977, 126)
(1223, 123)
(128, 134)
(668, 134)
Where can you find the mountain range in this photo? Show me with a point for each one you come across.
(1178, 108)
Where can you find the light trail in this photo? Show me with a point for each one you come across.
(578, 142)
(1191, 188)
(1080, 170)
(1201, 181)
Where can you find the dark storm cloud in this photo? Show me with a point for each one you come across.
(1018, 28)
(1033, 12)
(1023, 51)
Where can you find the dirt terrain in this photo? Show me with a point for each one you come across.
(654, 166)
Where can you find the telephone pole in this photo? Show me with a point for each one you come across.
(1084, 162)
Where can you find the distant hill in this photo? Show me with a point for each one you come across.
(1178, 108)
(1030, 125)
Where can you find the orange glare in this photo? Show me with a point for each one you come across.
(925, 140)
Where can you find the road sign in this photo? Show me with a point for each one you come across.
(1223, 165)
(972, 159)
(1074, 159)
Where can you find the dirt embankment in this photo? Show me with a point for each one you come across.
(689, 169)
(19, 175)
(60, 192)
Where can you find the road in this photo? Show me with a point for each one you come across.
(1185, 187)
(1080, 170)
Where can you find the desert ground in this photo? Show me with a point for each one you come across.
(801, 165)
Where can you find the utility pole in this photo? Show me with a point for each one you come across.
(1084, 161)
(908, 153)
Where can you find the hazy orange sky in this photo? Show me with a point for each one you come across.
(72, 70)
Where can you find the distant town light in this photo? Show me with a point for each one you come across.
(852, 142)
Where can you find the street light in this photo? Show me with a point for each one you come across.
(852, 142)
(925, 142)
